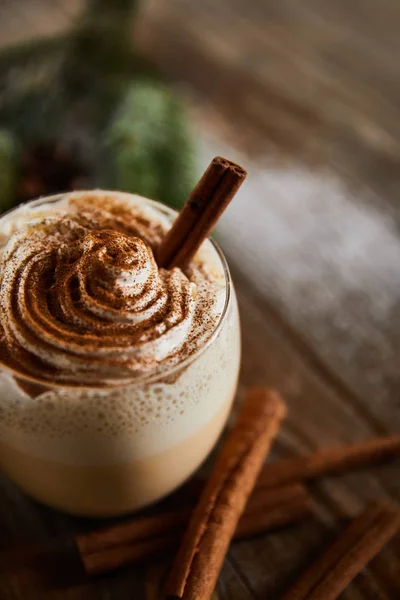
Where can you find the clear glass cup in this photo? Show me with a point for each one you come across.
(103, 452)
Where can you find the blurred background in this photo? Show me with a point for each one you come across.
(140, 96)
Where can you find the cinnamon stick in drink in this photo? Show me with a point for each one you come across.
(205, 543)
(200, 213)
(349, 554)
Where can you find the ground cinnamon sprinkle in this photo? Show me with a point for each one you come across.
(97, 285)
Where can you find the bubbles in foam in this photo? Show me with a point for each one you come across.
(66, 411)
(133, 420)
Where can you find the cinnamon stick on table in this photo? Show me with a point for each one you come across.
(206, 540)
(200, 213)
(349, 554)
(276, 501)
(143, 538)
(332, 460)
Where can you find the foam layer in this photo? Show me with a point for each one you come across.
(140, 439)
(106, 490)
(108, 426)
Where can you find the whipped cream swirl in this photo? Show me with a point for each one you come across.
(83, 303)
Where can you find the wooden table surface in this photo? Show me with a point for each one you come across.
(315, 84)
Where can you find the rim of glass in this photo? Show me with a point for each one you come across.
(155, 377)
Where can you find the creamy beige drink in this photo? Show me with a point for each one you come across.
(117, 377)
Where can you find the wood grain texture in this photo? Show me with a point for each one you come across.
(317, 81)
